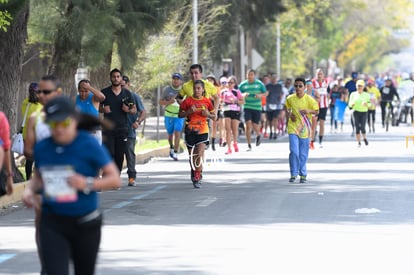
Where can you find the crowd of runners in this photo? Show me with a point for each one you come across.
(63, 138)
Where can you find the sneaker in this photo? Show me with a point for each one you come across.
(197, 179)
(250, 147)
(174, 156)
(320, 145)
(171, 152)
(366, 141)
(359, 144)
(271, 135)
(197, 185)
(131, 182)
(228, 151)
(311, 145)
(265, 135)
(302, 179)
(236, 147)
(258, 140)
(275, 137)
(292, 179)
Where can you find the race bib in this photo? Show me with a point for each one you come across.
(386, 90)
(323, 91)
(273, 107)
(55, 179)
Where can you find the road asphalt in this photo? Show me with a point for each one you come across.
(355, 214)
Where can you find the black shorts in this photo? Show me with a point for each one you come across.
(252, 115)
(232, 115)
(193, 139)
(272, 114)
(322, 113)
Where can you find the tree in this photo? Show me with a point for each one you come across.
(11, 54)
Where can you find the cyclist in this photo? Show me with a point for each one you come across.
(387, 95)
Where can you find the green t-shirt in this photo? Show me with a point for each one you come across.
(302, 125)
(360, 102)
(255, 88)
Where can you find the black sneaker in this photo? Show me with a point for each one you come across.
(366, 141)
(292, 179)
(197, 185)
(302, 179)
(258, 140)
(271, 135)
(250, 147)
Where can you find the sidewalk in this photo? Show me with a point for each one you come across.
(154, 129)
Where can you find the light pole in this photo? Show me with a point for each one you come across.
(195, 31)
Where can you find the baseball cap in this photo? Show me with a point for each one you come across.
(354, 75)
(211, 76)
(59, 108)
(177, 75)
(125, 78)
(33, 87)
(360, 83)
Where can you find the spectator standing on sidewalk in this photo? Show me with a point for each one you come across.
(67, 168)
(117, 104)
(88, 100)
(173, 124)
(299, 109)
(30, 105)
(252, 90)
(197, 109)
(134, 121)
(6, 145)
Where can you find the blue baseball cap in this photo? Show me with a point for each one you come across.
(177, 75)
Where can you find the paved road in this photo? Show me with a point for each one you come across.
(354, 216)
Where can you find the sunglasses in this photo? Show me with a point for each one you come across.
(64, 123)
(298, 86)
(230, 82)
(224, 82)
(45, 92)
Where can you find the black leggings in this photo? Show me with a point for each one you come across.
(360, 122)
(65, 237)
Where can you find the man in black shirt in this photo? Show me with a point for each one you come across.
(117, 104)
(387, 95)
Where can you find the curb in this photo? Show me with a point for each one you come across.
(141, 158)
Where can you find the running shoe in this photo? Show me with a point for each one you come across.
(265, 135)
(258, 140)
(171, 153)
(292, 179)
(359, 144)
(197, 179)
(366, 141)
(236, 147)
(250, 147)
(228, 151)
(302, 179)
(174, 156)
(271, 135)
(311, 145)
(131, 182)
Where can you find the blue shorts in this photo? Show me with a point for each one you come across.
(173, 124)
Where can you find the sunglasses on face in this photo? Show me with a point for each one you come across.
(45, 92)
(64, 123)
(230, 82)
(298, 86)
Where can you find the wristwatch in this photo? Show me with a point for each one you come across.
(89, 185)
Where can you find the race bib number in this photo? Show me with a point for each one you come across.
(323, 91)
(55, 179)
(386, 91)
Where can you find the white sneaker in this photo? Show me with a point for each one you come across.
(171, 153)
(174, 156)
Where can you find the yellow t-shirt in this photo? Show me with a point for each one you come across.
(302, 125)
(34, 107)
(375, 97)
(187, 89)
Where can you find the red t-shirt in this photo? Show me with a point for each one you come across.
(196, 121)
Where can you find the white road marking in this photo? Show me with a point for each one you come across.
(206, 202)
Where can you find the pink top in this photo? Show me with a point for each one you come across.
(230, 99)
(5, 131)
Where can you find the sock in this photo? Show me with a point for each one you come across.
(320, 139)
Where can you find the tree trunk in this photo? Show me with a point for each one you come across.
(12, 45)
(66, 51)
(100, 76)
